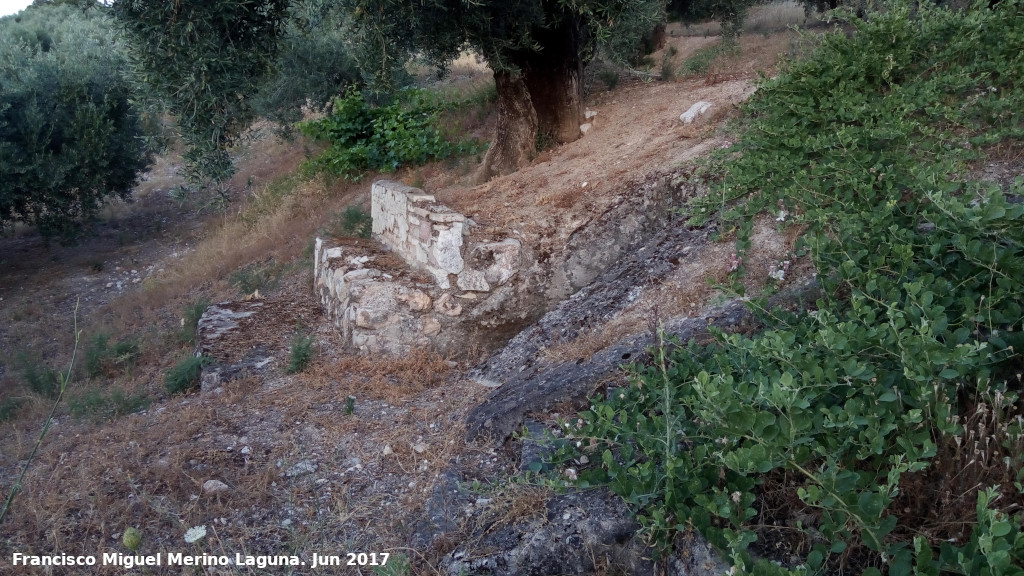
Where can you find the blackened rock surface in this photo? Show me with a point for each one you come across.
(545, 384)
(580, 533)
(441, 511)
(594, 305)
(255, 362)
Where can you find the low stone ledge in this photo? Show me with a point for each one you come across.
(380, 303)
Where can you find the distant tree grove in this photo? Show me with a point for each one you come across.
(70, 137)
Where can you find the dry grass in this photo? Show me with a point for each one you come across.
(763, 19)
(389, 378)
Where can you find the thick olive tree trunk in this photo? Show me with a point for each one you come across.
(554, 78)
(544, 97)
(515, 138)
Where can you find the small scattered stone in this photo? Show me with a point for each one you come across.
(419, 447)
(417, 300)
(214, 487)
(300, 469)
(473, 280)
(430, 326)
(445, 305)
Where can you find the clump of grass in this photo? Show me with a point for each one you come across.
(9, 407)
(262, 276)
(300, 353)
(41, 380)
(102, 358)
(397, 565)
(62, 386)
(99, 405)
(610, 78)
(265, 200)
(668, 71)
(184, 377)
(701, 60)
(190, 320)
(352, 222)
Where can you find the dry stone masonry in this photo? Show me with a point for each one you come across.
(379, 307)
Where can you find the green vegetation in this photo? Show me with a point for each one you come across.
(184, 377)
(731, 13)
(701, 60)
(398, 565)
(353, 221)
(62, 389)
(205, 60)
(9, 408)
(262, 276)
(42, 380)
(861, 427)
(190, 320)
(300, 353)
(384, 138)
(102, 359)
(70, 136)
(313, 66)
(99, 405)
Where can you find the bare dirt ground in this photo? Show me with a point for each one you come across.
(339, 458)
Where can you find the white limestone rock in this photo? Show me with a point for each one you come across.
(473, 280)
(696, 110)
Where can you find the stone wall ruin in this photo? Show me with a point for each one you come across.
(427, 297)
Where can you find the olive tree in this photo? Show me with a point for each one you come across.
(70, 138)
(206, 59)
(536, 48)
(210, 58)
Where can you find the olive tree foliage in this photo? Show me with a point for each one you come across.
(205, 59)
(214, 61)
(70, 137)
(536, 48)
(312, 67)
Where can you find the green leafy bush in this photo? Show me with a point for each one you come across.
(190, 320)
(39, 378)
(300, 353)
(385, 138)
(184, 376)
(70, 136)
(894, 404)
(103, 359)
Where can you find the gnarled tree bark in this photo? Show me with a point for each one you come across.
(553, 76)
(515, 137)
